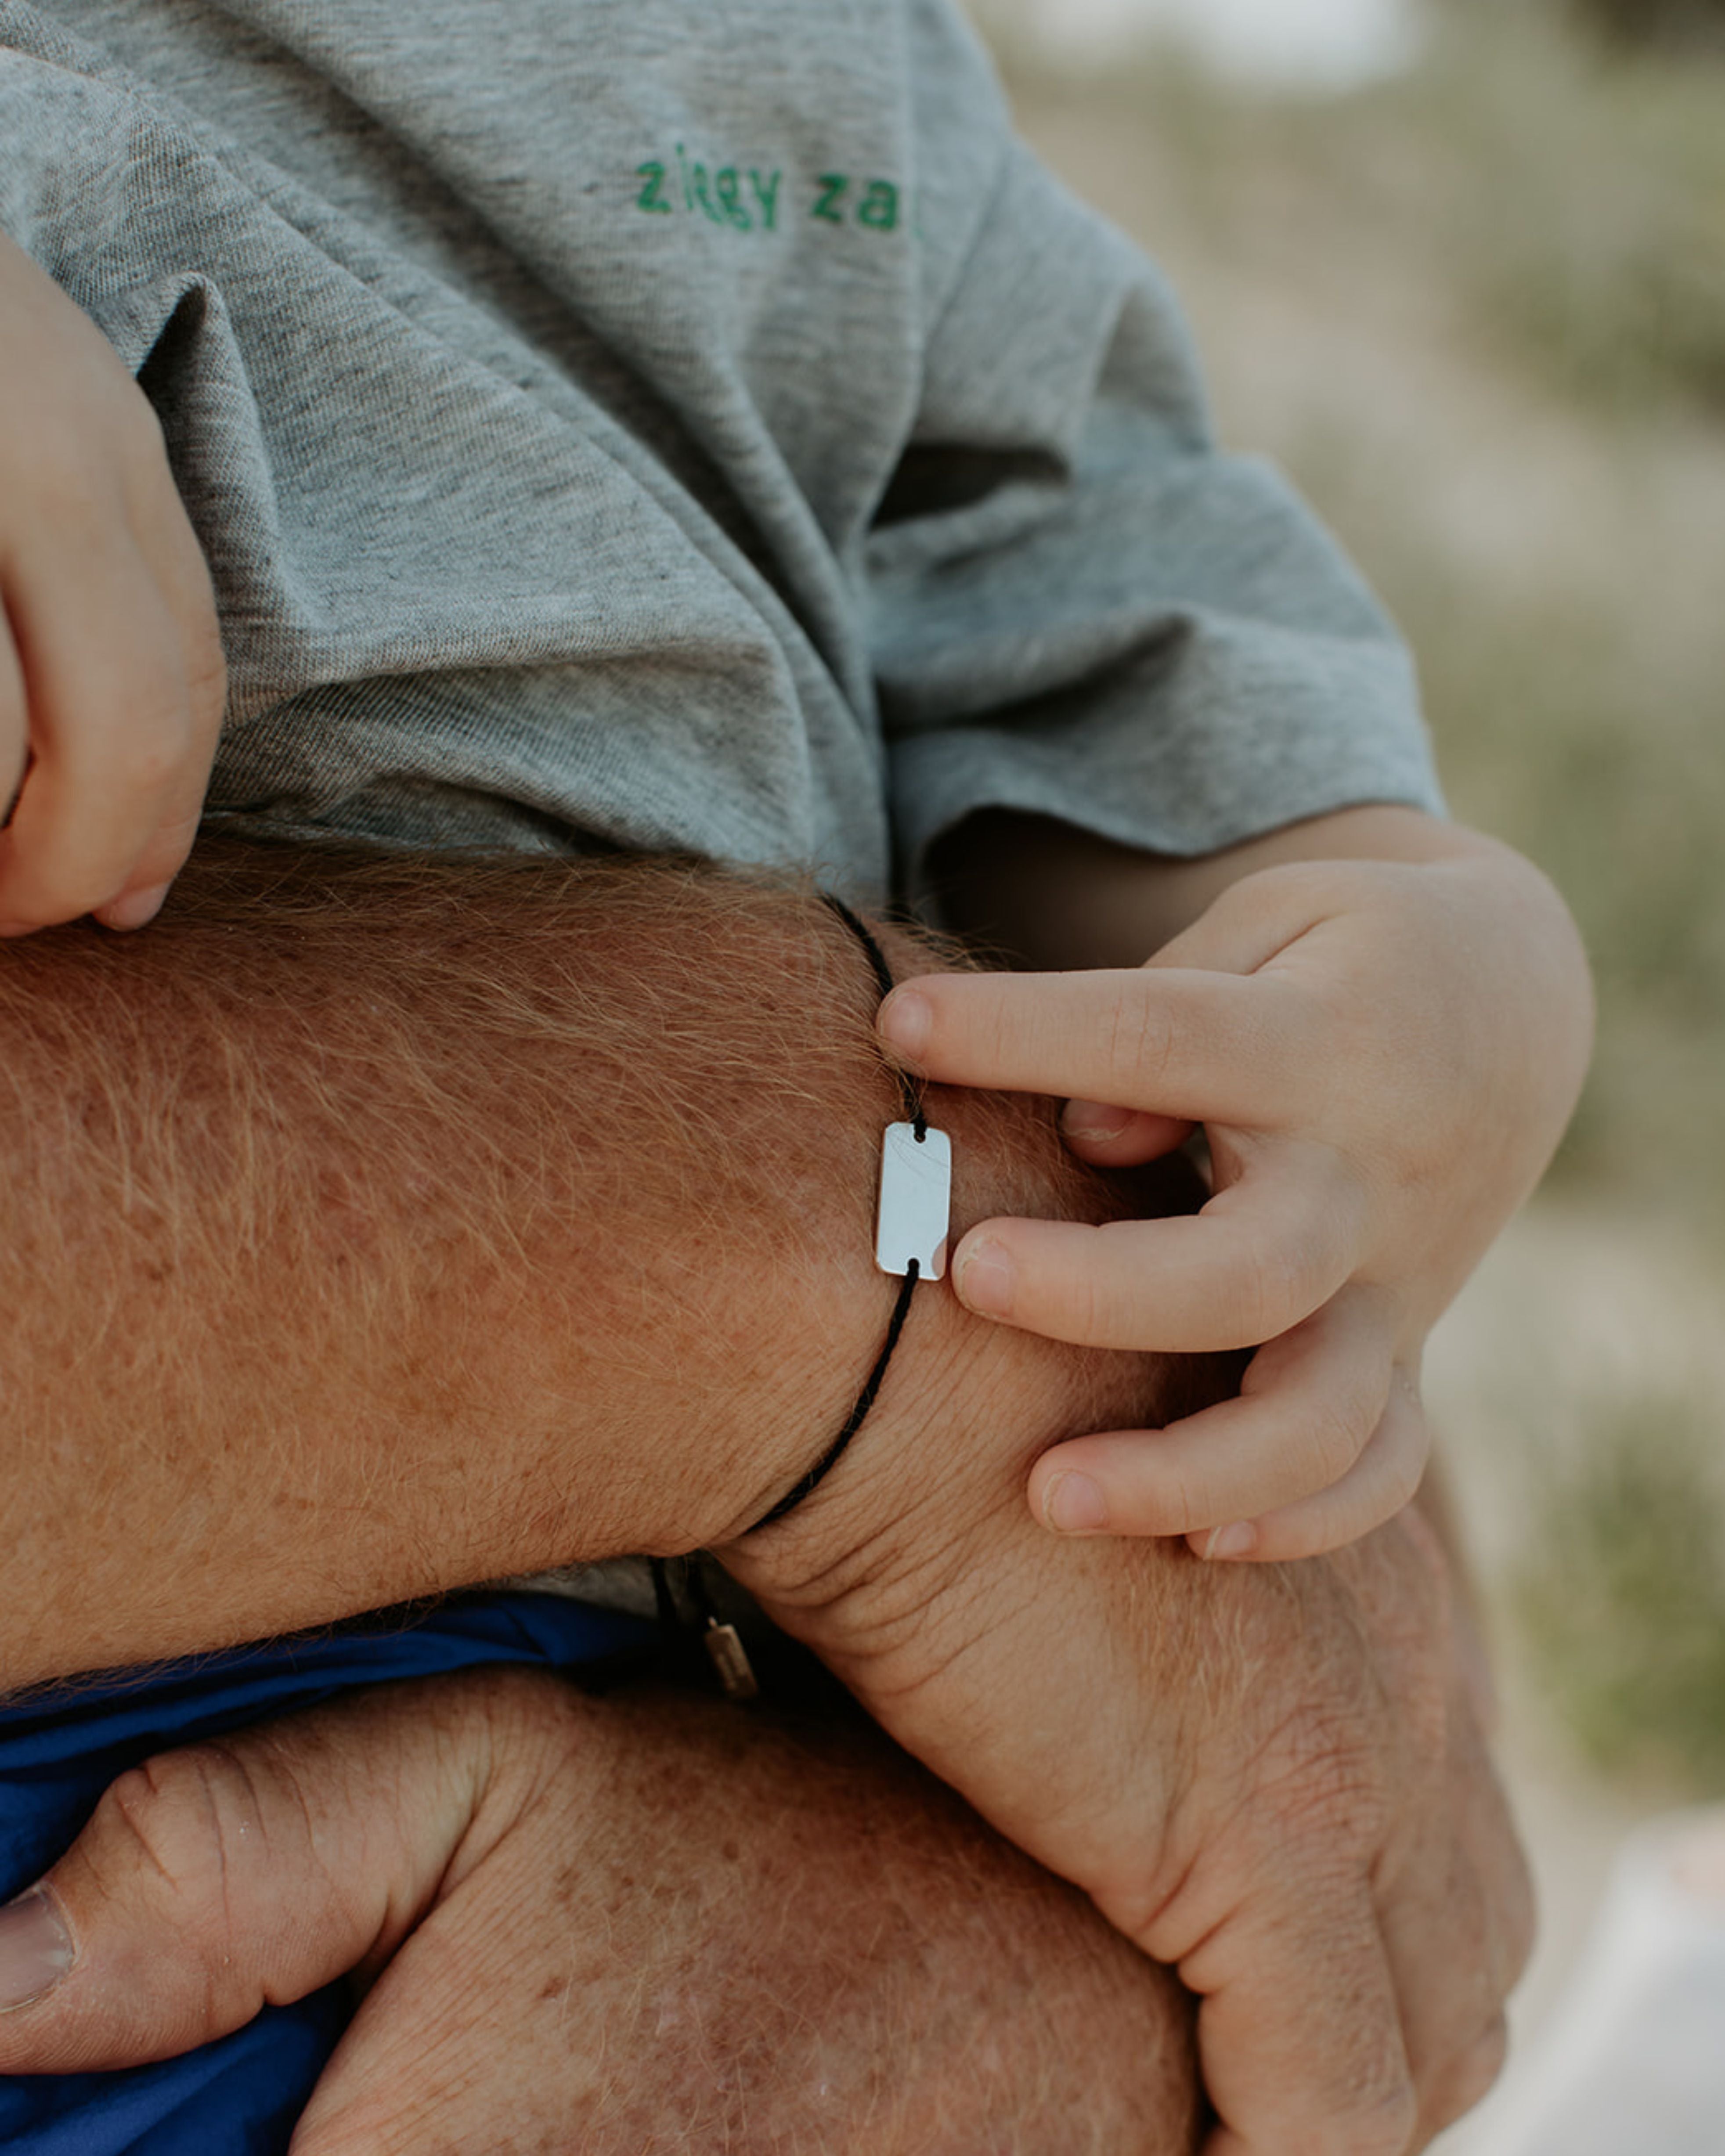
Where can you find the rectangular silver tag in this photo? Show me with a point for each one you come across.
(916, 1201)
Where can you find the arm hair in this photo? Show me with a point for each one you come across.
(378, 1225)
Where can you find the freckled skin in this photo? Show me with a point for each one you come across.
(642, 1925)
(694, 1930)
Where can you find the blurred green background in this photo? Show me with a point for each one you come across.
(1476, 308)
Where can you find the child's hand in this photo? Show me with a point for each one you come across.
(1383, 1056)
(111, 680)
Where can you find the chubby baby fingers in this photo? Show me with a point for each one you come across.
(14, 720)
(1119, 1137)
(1262, 1256)
(1380, 1482)
(168, 544)
(1310, 1406)
(122, 732)
(1197, 1046)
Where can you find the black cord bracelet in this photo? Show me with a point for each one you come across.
(723, 1645)
(911, 1093)
(854, 1421)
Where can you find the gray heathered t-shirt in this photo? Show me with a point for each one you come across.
(626, 422)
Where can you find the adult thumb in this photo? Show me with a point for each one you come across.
(237, 1873)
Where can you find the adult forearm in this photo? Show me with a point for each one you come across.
(373, 1229)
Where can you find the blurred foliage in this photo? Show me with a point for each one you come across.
(1599, 242)
(1535, 233)
(1574, 199)
(1657, 22)
(1623, 1608)
(1587, 726)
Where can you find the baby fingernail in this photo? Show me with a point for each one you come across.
(1091, 1119)
(1073, 1505)
(134, 909)
(35, 1949)
(1238, 1540)
(982, 1280)
(906, 1020)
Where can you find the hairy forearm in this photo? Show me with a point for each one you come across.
(377, 1227)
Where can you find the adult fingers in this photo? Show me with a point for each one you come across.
(1299, 2030)
(1450, 1953)
(216, 1879)
(1458, 1924)
(1466, 2081)
(1260, 1258)
(1200, 1046)
(1255, 920)
(1303, 1423)
(1375, 1489)
(110, 729)
(471, 2035)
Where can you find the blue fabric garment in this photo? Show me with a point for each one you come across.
(60, 1751)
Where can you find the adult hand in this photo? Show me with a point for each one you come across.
(111, 677)
(626, 1925)
(1269, 1776)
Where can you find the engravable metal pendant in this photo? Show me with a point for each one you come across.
(731, 1660)
(916, 1201)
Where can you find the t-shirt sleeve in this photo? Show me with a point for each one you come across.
(1081, 605)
